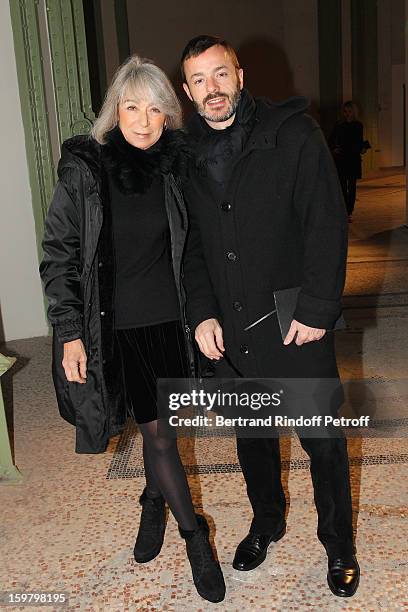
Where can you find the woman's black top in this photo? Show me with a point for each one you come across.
(145, 290)
(346, 142)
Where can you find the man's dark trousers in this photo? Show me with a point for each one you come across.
(261, 466)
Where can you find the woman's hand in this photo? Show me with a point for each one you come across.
(74, 362)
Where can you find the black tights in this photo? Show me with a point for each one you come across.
(165, 474)
(348, 186)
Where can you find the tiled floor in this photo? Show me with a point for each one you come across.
(71, 525)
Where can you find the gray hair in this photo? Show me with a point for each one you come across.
(142, 79)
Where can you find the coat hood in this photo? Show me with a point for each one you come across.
(83, 151)
(273, 115)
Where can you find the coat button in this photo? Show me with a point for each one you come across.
(102, 313)
(226, 206)
(237, 306)
(244, 348)
(232, 256)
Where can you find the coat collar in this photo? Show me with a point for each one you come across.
(134, 169)
(269, 118)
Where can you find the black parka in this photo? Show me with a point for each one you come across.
(280, 223)
(78, 271)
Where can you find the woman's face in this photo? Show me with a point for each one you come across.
(348, 113)
(141, 122)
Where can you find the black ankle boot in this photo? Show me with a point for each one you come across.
(207, 574)
(151, 529)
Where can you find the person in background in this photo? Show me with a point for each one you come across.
(113, 243)
(347, 145)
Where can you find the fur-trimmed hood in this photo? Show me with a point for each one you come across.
(81, 151)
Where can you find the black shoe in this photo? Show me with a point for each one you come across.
(151, 529)
(252, 550)
(206, 570)
(343, 576)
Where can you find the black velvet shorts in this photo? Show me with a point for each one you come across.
(149, 353)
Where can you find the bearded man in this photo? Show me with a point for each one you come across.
(266, 213)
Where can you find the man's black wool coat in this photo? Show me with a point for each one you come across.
(280, 223)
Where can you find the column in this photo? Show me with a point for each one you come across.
(365, 73)
(330, 63)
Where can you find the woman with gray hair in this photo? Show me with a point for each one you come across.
(113, 246)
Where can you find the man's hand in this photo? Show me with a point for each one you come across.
(304, 333)
(209, 338)
(74, 362)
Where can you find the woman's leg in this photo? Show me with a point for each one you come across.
(168, 472)
(152, 353)
(152, 488)
(164, 460)
(343, 183)
(352, 187)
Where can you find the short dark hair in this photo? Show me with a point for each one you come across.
(196, 46)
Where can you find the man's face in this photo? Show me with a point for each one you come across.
(214, 86)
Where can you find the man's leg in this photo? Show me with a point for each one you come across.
(329, 469)
(331, 482)
(261, 466)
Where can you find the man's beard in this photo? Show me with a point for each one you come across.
(227, 114)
